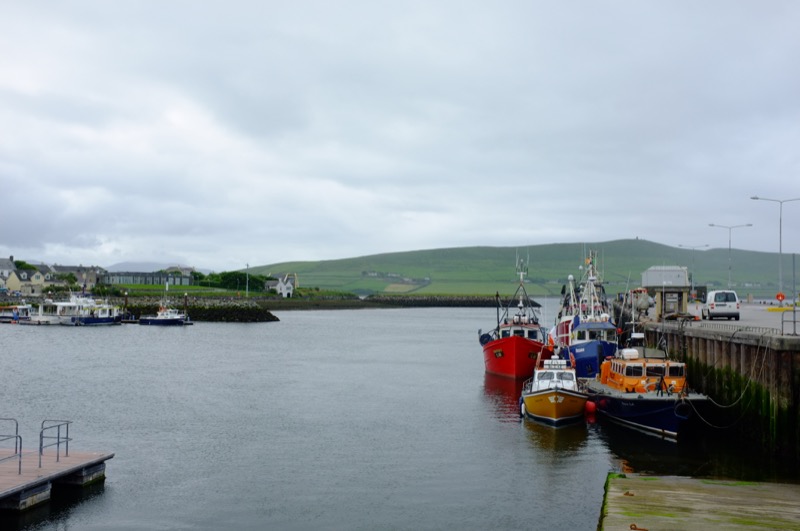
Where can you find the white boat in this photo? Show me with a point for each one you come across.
(86, 311)
(166, 315)
(45, 313)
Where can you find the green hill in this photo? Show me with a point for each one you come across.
(486, 270)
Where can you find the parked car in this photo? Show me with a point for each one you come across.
(723, 303)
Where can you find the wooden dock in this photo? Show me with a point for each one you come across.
(657, 503)
(20, 491)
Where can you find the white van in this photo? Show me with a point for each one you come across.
(724, 303)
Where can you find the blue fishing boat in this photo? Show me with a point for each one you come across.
(584, 330)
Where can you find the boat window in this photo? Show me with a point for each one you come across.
(677, 371)
(532, 334)
(546, 375)
(655, 370)
(520, 333)
(566, 376)
(634, 370)
(504, 333)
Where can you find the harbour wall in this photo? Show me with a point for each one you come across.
(750, 373)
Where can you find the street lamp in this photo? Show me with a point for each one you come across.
(247, 281)
(692, 248)
(730, 229)
(780, 237)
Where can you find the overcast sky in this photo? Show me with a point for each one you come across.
(218, 134)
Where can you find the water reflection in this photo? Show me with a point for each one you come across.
(563, 440)
(504, 394)
(643, 453)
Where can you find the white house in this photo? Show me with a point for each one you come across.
(284, 286)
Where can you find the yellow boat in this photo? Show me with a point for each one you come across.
(551, 395)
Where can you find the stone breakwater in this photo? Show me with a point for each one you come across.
(221, 310)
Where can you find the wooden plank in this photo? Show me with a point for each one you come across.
(635, 501)
(53, 468)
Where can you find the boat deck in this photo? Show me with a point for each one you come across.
(635, 501)
(596, 389)
(19, 491)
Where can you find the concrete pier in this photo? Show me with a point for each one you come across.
(678, 503)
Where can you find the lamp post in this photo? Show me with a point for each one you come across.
(730, 229)
(692, 248)
(780, 239)
(247, 281)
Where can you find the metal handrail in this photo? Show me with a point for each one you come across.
(16, 433)
(761, 330)
(792, 320)
(17, 444)
(54, 424)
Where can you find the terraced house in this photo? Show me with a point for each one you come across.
(37, 279)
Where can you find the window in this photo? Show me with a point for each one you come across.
(546, 375)
(677, 371)
(566, 376)
(634, 370)
(655, 370)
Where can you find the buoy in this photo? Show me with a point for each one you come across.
(522, 409)
(590, 407)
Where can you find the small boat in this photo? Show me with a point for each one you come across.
(165, 317)
(552, 395)
(584, 327)
(86, 311)
(643, 389)
(18, 313)
(512, 348)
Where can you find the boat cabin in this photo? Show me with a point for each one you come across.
(552, 373)
(631, 373)
(532, 331)
(600, 330)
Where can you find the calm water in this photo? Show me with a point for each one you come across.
(352, 419)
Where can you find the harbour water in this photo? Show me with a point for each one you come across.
(350, 419)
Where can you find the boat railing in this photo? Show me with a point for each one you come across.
(527, 385)
(57, 426)
(17, 443)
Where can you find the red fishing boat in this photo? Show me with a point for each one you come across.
(513, 346)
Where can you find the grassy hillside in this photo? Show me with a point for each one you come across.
(485, 270)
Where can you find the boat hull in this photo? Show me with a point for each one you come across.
(664, 416)
(161, 322)
(514, 356)
(80, 320)
(553, 406)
